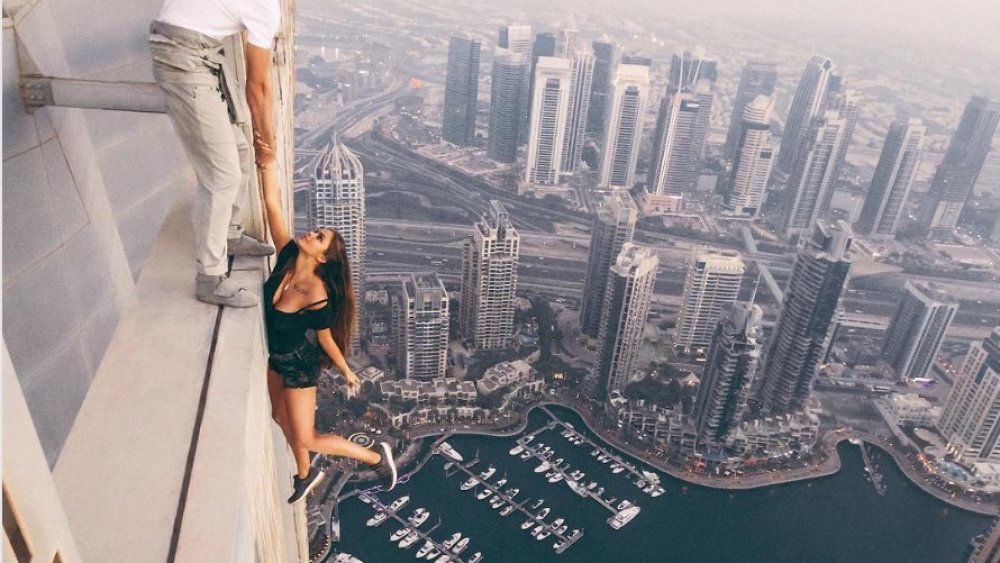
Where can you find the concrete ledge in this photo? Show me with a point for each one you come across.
(122, 471)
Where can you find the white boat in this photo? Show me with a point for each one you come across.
(537, 504)
(618, 469)
(484, 494)
(599, 491)
(577, 487)
(545, 466)
(433, 554)
(425, 549)
(537, 530)
(558, 461)
(446, 449)
(657, 492)
(603, 458)
(606, 460)
(488, 473)
(528, 523)
(557, 522)
(511, 493)
(542, 535)
(595, 452)
(640, 483)
(623, 517)
(543, 513)
(565, 433)
(409, 540)
(399, 503)
(591, 485)
(556, 478)
(651, 477)
(398, 534)
(476, 557)
(452, 540)
(516, 450)
(507, 510)
(500, 483)
(419, 511)
(469, 483)
(577, 474)
(377, 519)
(624, 504)
(576, 532)
(496, 503)
(365, 499)
(561, 529)
(443, 559)
(419, 520)
(649, 490)
(460, 546)
(449, 465)
(525, 455)
(527, 439)
(558, 545)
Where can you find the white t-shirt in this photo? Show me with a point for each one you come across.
(221, 18)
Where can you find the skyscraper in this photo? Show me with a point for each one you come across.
(516, 38)
(604, 56)
(670, 171)
(757, 79)
(729, 373)
(544, 46)
(519, 39)
(917, 329)
(802, 331)
(713, 280)
(814, 172)
(461, 91)
(897, 166)
(489, 280)
(506, 103)
(970, 419)
(956, 176)
(623, 316)
(687, 69)
(751, 160)
(613, 226)
(566, 38)
(579, 107)
(629, 92)
(337, 201)
(547, 126)
(809, 101)
(422, 317)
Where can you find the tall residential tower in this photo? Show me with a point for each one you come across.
(751, 161)
(713, 281)
(809, 102)
(894, 174)
(613, 226)
(489, 280)
(510, 70)
(461, 91)
(757, 79)
(970, 419)
(623, 134)
(917, 329)
(547, 126)
(422, 320)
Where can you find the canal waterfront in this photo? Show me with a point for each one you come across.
(831, 519)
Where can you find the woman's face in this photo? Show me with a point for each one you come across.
(315, 243)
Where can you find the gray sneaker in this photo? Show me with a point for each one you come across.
(220, 290)
(245, 245)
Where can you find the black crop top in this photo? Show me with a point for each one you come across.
(287, 331)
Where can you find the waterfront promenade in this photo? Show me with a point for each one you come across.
(829, 464)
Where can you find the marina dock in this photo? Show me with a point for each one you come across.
(423, 535)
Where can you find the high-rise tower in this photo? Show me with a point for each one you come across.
(547, 126)
(917, 329)
(713, 280)
(970, 419)
(814, 172)
(803, 328)
(337, 201)
(687, 69)
(604, 56)
(461, 91)
(671, 172)
(567, 38)
(897, 166)
(489, 280)
(757, 79)
(579, 108)
(629, 92)
(729, 373)
(956, 176)
(623, 316)
(422, 317)
(809, 102)
(751, 161)
(506, 104)
(516, 38)
(613, 226)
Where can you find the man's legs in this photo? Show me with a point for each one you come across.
(201, 118)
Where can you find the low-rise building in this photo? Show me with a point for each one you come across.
(907, 409)
(518, 375)
(660, 426)
(445, 392)
(778, 435)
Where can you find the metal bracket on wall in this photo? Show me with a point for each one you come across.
(41, 91)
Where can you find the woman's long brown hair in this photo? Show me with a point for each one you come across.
(336, 275)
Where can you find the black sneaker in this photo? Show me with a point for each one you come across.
(302, 487)
(386, 467)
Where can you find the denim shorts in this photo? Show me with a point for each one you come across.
(299, 368)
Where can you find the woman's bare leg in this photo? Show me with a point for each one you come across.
(300, 406)
(276, 390)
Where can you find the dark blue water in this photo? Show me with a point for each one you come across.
(832, 519)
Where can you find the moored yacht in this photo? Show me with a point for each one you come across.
(543, 513)
(537, 530)
(496, 503)
(591, 485)
(657, 491)
(623, 517)
(542, 535)
(537, 504)
(377, 519)
(469, 483)
(452, 540)
(527, 439)
(449, 451)
(425, 549)
(561, 529)
(649, 490)
(420, 519)
(488, 473)
(484, 494)
(409, 540)
(399, 503)
(595, 452)
(398, 534)
(556, 478)
(528, 523)
(511, 493)
(501, 483)
(617, 470)
(545, 466)
(433, 554)
(443, 559)
(507, 510)
(525, 455)
(516, 450)
(624, 504)
(449, 465)
(461, 545)
(557, 522)
(476, 557)
(576, 487)
(650, 476)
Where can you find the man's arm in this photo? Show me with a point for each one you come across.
(260, 98)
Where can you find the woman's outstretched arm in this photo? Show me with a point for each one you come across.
(272, 205)
(329, 345)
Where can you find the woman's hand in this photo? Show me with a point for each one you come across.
(263, 151)
(353, 383)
